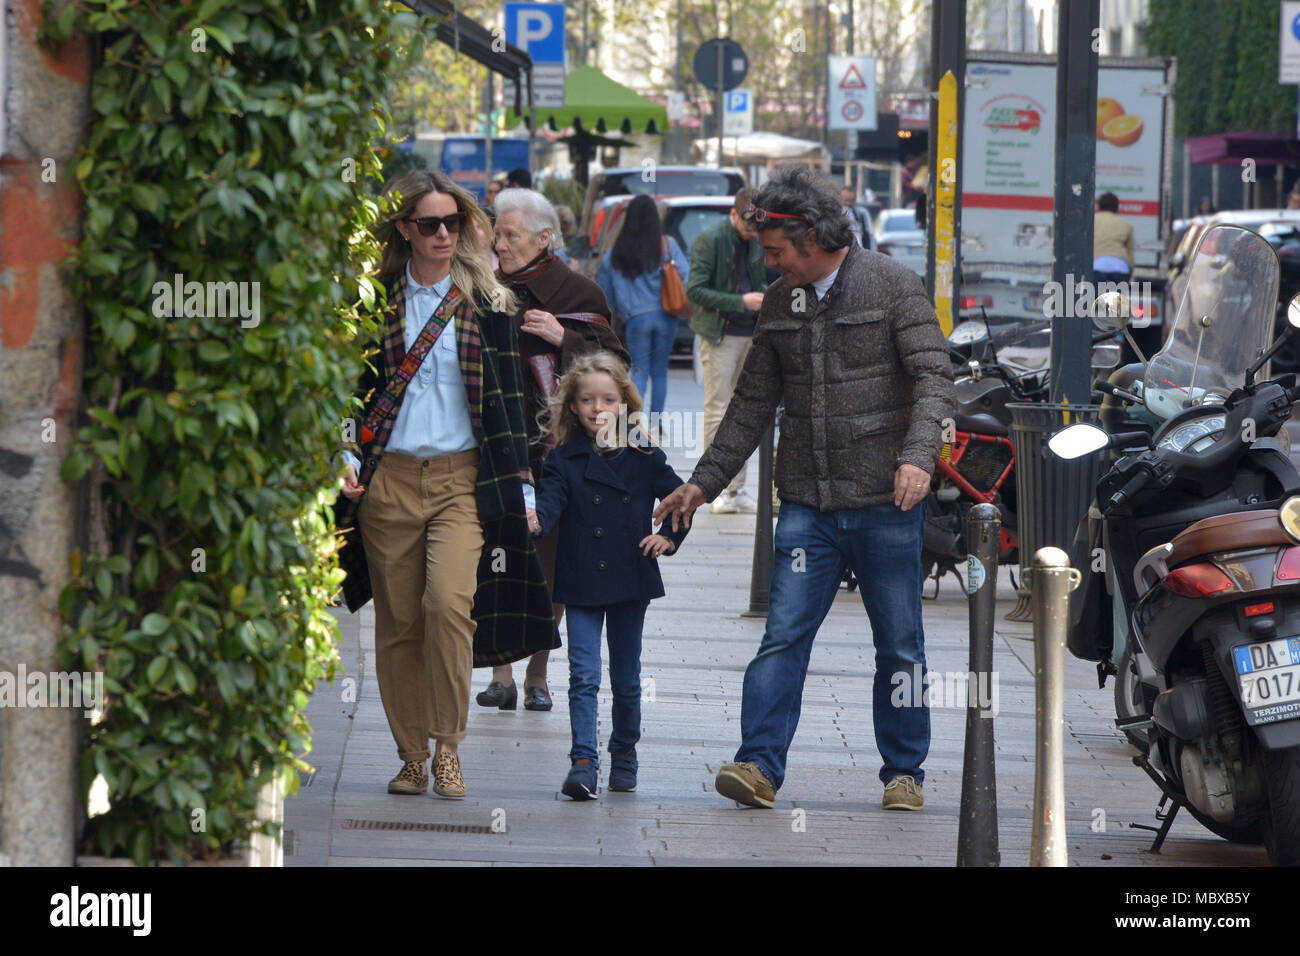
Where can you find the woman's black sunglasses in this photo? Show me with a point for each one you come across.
(430, 225)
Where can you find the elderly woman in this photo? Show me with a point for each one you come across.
(439, 492)
(561, 315)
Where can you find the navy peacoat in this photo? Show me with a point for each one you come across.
(602, 504)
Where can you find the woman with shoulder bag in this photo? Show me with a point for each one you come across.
(632, 274)
(439, 494)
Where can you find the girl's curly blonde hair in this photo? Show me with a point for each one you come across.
(557, 419)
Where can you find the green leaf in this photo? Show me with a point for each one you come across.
(210, 350)
(177, 72)
(222, 37)
(298, 126)
(184, 677)
(156, 668)
(155, 624)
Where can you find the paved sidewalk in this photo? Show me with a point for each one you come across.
(697, 644)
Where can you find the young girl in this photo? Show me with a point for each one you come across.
(599, 486)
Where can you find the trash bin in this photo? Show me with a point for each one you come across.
(1052, 494)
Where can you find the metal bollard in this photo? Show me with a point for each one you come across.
(760, 577)
(977, 833)
(1053, 580)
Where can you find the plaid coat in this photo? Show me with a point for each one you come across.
(512, 607)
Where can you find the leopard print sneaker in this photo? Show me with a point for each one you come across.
(447, 779)
(412, 778)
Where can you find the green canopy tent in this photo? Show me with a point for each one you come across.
(595, 104)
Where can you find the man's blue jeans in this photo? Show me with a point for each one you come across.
(882, 545)
(623, 623)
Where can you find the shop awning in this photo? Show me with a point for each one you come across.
(1229, 149)
(595, 103)
(475, 41)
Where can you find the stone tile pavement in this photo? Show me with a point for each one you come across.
(697, 643)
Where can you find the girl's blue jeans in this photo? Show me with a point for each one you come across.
(623, 624)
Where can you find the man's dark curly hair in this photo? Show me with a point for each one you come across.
(798, 191)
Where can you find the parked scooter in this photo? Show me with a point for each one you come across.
(1196, 599)
(992, 365)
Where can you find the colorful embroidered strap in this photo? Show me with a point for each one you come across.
(388, 403)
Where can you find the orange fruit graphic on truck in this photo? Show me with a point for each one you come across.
(1107, 110)
(1122, 130)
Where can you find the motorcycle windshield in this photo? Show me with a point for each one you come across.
(1224, 320)
(1024, 345)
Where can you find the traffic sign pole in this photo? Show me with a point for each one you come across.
(721, 106)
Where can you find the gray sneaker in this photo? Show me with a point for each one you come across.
(903, 793)
(745, 503)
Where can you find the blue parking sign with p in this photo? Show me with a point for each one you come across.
(537, 29)
(738, 101)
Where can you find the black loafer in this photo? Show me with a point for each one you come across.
(497, 696)
(536, 698)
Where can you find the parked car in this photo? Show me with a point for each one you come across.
(653, 181)
(684, 218)
(897, 236)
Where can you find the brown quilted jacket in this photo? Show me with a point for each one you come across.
(865, 378)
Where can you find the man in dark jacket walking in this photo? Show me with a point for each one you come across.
(849, 342)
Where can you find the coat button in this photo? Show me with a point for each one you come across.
(601, 565)
(627, 499)
(598, 532)
(595, 499)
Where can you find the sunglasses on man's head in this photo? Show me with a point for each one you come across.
(429, 225)
(757, 215)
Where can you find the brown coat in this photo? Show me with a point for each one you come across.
(866, 381)
(559, 290)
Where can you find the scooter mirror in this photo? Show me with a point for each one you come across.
(1111, 311)
(1293, 312)
(1077, 441)
(1105, 356)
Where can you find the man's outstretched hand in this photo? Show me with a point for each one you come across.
(681, 504)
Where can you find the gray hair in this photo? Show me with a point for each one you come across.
(535, 210)
(798, 191)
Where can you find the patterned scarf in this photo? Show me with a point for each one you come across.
(383, 414)
(528, 272)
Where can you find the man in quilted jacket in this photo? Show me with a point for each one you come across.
(848, 341)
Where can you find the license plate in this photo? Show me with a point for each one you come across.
(1269, 673)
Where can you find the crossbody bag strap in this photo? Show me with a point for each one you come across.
(390, 401)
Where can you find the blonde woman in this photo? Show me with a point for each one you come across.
(440, 489)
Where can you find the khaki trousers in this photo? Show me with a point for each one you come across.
(420, 526)
(722, 364)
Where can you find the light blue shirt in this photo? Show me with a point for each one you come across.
(643, 294)
(434, 418)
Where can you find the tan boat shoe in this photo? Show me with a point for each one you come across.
(412, 778)
(447, 779)
(745, 783)
(903, 793)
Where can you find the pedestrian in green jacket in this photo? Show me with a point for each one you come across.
(726, 285)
